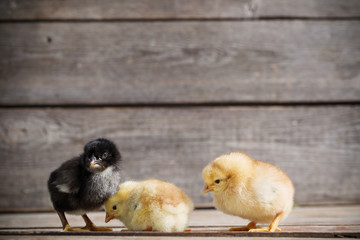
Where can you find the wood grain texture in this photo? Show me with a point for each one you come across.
(338, 222)
(317, 147)
(175, 9)
(179, 62)
(299, 217)
(314, 232)
(116, 237)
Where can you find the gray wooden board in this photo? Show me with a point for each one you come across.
(316, 146)
(210, 219)
(19, 237)
(326, 232)
(175, 9)
(179, 62)
(338, 221)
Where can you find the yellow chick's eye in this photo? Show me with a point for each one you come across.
(114, 207)
(217, 181)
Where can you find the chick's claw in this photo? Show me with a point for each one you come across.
(67, 228)
(250, 226)
(264, 229)
(94, 228)
(90, 226)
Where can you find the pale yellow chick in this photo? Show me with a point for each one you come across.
(150, 205)
(250, 189)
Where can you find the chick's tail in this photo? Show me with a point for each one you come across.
(171, 218)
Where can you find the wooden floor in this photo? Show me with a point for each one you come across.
(303, 222)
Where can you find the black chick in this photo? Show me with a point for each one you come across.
(84, 183)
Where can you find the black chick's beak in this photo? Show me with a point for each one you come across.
(95, 164)
(92, 159)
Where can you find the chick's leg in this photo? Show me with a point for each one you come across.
(275, 223)
(250, 226)
(91, 226)
(273, 226)
(65, 223)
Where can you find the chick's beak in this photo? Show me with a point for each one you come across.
(108, 217)
(93, 160)
(95, 164)
(207, 189)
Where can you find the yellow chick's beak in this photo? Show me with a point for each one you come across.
(108, 217)
(207, 189)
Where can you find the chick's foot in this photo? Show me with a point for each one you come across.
(248, 227)
(94, 228)
(273, 226)
(264, 229)
(67, 228)
(90, 226)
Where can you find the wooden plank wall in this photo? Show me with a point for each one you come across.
(177, 83)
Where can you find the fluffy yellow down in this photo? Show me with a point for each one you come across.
(248, 188)
(150, 205)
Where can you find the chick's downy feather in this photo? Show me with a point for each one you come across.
(83, 183)
(248, 188)
(150, 204)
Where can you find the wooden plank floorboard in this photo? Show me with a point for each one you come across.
(291, 232)
(21, 237)
(303, 216)
(175, 9)
(176, 63)
(329, 222)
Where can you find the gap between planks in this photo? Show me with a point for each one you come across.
(200, 233)
(188, 105)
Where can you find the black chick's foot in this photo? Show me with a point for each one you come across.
(90, 226)
(67, 228)
(94, 228)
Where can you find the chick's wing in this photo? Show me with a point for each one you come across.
(66, 177)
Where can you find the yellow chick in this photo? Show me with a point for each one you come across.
(250, 189)
(150, 205)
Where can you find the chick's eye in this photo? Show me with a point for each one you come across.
(114, 207)
(217, 181)
(105, 155)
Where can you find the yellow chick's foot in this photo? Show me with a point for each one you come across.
(248, 227)
(67, 228)
(264, 229)
(273, 226)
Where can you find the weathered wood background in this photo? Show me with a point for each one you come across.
(177, 83)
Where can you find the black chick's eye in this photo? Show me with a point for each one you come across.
(114, 207)
(105, 155)
(217, 181)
